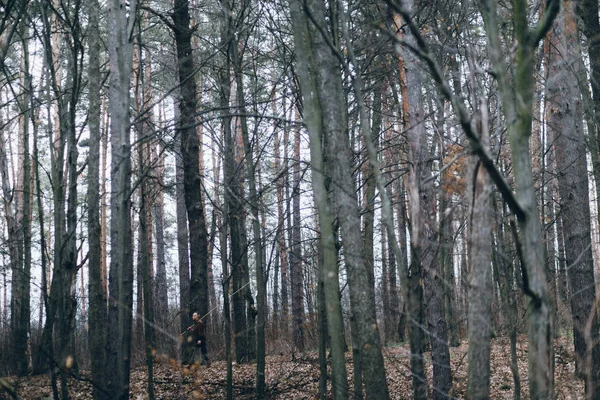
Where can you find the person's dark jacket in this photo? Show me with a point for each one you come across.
(198, 332)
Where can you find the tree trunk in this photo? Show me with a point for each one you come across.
(146, 266)
(297, 274)
(233, 193)
(361, 281)
(14, 248)
(565, 125)
(23, 312)
(480, 277)
(121, 19)
(329, 274)
(506, 277)
(254, 202)
(97, 296)
(517, 102)
(198, 243)
(161, 294)
(411, 99)
(182, 242)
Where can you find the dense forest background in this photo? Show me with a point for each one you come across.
(338, 177)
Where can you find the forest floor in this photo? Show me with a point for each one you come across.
(299, 379)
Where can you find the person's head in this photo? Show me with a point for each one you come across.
(195, 317)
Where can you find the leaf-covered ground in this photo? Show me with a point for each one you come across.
(299, 379)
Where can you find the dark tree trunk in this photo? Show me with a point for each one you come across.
(233, 192)
(182, 244)
(297, 273)
(254, 201)
(506, 278)
(190, 153)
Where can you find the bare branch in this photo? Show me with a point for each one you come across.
(552, 9)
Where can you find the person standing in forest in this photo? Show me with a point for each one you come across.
(197, 338)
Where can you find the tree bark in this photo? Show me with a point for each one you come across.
(97, 296)
(254, 202)
(517, 102)
(303, 39)
(121, 20)
(565, 126)
(198, 242)
(480, 277)
(233, 192)
(410, 77)
(182, 242)
(296, 269)
(361, 280)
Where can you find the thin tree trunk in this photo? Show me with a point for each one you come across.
(97, 300)
(297, 273)
(226, 303)
(146, 266)
(506, 278)
(254, 202)
(414, 293)
(361, 280)
(519, 115)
